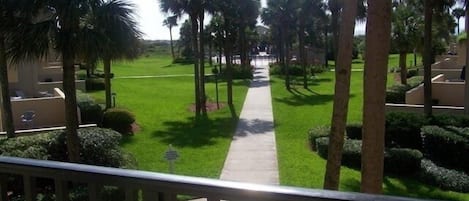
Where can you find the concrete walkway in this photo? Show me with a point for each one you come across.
(253, 154)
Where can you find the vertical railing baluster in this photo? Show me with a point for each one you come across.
(29, 185)
(150, 195)
(167, 196)
(93, 191)
(3, 187)
(131, 194)
(209, 198)
(61, 190)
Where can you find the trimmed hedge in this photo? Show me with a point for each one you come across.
(403, 130)
(449, 146)
(118, 119)
(90, 111)
(317, 132)
(94, 84)
(396, 93)
(354, 131)
(396, 161)
(443, 178)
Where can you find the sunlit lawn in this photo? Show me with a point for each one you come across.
(161, 106)
(297, 111)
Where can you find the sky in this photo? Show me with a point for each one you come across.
(150, 20)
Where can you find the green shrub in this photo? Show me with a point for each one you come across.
(351, 154)
(238, 72)
(181, 60)
(354, 131)
(120, 120)
(396, 161)
(414, 81)
(317, 132)
(450, 120)
(402, 161)
(412, 72)
(448, 146)
(403, 130)
(396, 93)
(97, 147)
(443, 178)
(94, 84)
(90, 111)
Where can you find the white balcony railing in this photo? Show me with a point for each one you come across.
(157, 187)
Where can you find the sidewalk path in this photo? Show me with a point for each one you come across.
(252, 156)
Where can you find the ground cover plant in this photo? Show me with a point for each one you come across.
(301, 109)
(161, 102)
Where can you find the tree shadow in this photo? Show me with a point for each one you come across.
(299, 99)
(253, 127)
(192, 133)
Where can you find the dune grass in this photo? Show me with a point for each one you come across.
(162, 109)
(297, 111)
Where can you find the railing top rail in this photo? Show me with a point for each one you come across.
(90, 174)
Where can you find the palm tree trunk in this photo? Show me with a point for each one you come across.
(195, 49)
(302, 48)
(7, 114)
(285, 57)
(403, 66)
(375, 75)
(427, 64)
(341, 97)
(107, 82)
(242, 46)
(202, 65)
(171, 41)
(71, 114)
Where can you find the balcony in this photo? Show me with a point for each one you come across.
(156, 186)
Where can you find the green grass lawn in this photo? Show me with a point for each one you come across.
(162, 109)
(393, 62)
(297, 111)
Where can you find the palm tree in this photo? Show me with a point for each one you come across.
(458, 13)
(405, 33)
(194, 9)
(341, 97)
(116, 34)
(427, 57)
(170, 22)
(378, 29)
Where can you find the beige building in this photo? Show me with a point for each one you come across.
(36, 96)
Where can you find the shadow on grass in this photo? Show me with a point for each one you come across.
(299, 98)
(406, 188)
(190, 134)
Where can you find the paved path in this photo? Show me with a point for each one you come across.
(253, 154)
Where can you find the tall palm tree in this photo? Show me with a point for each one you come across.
(341, 97)
(427, 57)
(378, 29)
(458, 13)
(116, 37)
(170, 22)
(194, 8)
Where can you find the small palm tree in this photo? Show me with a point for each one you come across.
(170, 22)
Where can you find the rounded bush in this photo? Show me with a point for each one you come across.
(317, 132)
(120, 120)
(94, 84)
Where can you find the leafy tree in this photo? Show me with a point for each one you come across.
(341, 97)
(376, 61)
(170, 22)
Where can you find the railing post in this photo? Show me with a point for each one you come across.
(93, 191)
(131, 194)
(3, 187)
(150, 195)
(29, 184)
(61, 190)
(167, 196)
